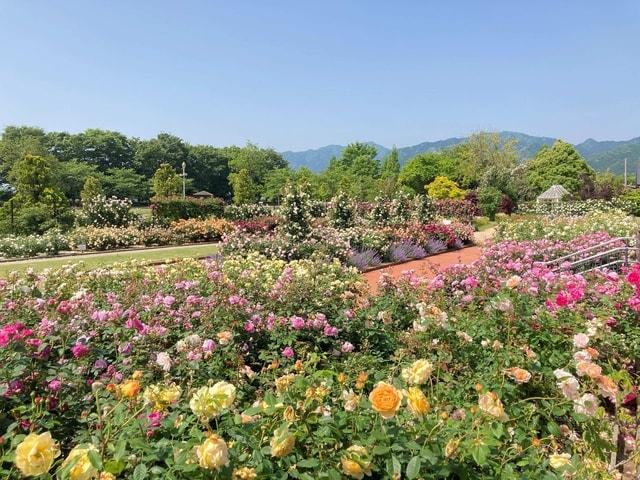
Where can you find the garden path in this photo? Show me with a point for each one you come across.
(426, 267)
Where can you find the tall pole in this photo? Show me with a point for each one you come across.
(184, 180)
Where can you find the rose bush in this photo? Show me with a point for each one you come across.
(250, 367)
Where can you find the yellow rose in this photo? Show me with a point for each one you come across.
(417, 402)
(514, 282)
(161, 396)
(559, 460)
(418, 372)
(224, 338)
(490, 404)
(385, 399)
(106, 476)
(244, 473)
(130, 388)
(213, 453)
(289, 414)
(451, 448)
(35, 454)
(209, 402)
(356, 462)
(81, 467)
(282, 442)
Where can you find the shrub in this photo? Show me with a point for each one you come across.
(442, 188)
(100, 211)
(155, 235)
(405, 250)
(632, 198)
(296, 212)
(463, 210)
(50, 243)
(169, 209)
(263, 224)
(247, 211)
(341, 211)
(106, 238)
(364, 259)
(197, 230)
(34, 218)
(489, 201)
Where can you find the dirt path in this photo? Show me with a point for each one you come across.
(426, 267)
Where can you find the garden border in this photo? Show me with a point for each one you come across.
(74, 253)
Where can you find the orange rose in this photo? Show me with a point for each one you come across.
(520, 375)
(130, 388)
(590, 369)
(608, 387)
(385, 399)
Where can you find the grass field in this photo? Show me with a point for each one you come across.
(107, 258)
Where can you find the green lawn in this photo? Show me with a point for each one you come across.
(100, 260)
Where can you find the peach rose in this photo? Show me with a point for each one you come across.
(385, 399)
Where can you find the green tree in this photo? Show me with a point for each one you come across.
(103, 148)
(420, 171)
(390, 167)
(356, 150)
(31, 176)
(480, 152)
(17, 142)
(166, 182)
(126, 183)
(257, 162)
(489, 201)
(275, 183)
(560, 164)
(244, 188)
(442, 188)
(209, 168)
(165, 148)
(71, 176)
(92, 188)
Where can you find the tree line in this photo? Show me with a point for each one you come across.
(60, 164)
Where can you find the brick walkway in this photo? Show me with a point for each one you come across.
(426, 267)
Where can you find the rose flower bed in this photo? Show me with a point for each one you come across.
(256, 368)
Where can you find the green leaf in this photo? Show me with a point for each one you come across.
(397, 467)
(380, 450)
(413, 468)
(140, 472)
(95, 459)
(114, 466)
(308, 463)
(479, 453)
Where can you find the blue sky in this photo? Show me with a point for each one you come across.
(300, 74)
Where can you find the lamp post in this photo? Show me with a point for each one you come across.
(184, 179)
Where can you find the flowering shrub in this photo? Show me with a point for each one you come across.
(341, 211)
(51, 242)
(261, 224)
(576, 208)
(106, 238)
(463, 210)
(296, 213)
(614, 222)
(100, 211)
(155, 235)
(248, 211)
(201, 230)
(257, 368)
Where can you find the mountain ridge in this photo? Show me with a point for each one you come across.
(602, 155)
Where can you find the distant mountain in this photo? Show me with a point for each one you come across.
(609, 155)
(601, 155)
(318, 159)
